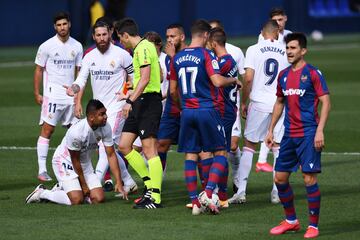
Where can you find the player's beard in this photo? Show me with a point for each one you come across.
(103, 46)
(63, 33)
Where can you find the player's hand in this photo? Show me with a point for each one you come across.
(85, 190)
(69, 91)
(319, 141)
(170, 49)
(126, 110)
(119, 188)
(239, 84)
(78, 110)
(243, 110)
(122, 96)
(39, 99)
(269, 140)
(129, 85)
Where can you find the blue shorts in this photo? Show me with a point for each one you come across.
(201, 130)
(169, 128)
(228, 122)
(298, 151)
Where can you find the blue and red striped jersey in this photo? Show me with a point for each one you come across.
(170, 107)
(227, 95)
(192, 68)
(301, 89)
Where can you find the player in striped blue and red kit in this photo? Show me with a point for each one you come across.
(300, 89)
(195, 73)
(227, 98)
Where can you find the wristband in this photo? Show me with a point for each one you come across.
(129, 101)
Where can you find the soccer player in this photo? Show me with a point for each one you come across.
(279, 15)
(108, 66)
(235, 153)
(57, 62)
(300, 89)
(195, 74)
(170, 121)
(227, 99)
(72, 162)
(263, 62)
(143, 112)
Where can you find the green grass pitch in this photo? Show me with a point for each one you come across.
(338, 59)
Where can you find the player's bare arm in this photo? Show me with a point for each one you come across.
(277, 112)
(115, 169)
(221, 81)
(38, 74)
(174, 92)
(248, 79)
(143, 82)
(77, 99)
(75, 159)
(319, 140)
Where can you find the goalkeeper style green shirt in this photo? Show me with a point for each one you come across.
(145, 54)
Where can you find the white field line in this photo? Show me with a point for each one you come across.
(13, 148)
(16, 64)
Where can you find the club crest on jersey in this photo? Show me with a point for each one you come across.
(215, 64)
(112, 63)
(98, 138)
(75, 144)
(303, 78)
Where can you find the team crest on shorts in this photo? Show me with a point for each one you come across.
(50, 116)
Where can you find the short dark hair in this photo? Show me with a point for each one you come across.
(153, 37)
(93, 105)
(270, 26)
(105, 20)
(218, 22)
(127, 25)
(300, 37)
(200, 26)
(61, 15)
(177, 26)
(218, 35)
(100, 24)
(277, 11)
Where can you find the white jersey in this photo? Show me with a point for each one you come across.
(267, 58)
(81, 137)
(59, 60)
(280, 38)
(237, 55)
(165, 83)
(108, 73)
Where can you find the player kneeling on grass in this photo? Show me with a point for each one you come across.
(72, 162)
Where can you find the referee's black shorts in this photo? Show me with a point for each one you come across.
(144, 119)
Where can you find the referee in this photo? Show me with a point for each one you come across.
(142, 111)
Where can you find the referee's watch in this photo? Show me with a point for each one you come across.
(129, 101)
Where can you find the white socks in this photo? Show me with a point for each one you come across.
(234, 159)
(57, 196)
(264, 150)
(275, 151)
(103, 164)
(244, 168)
(42, 152)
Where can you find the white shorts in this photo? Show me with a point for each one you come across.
(137, 142)
(53, 113)
(67, 177)
(116, 122)
(236, 129)
(257, 125)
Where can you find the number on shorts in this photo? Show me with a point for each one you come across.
(271, 70)
(233, 94)
(52, 107)
(67, 166)
(182, 75)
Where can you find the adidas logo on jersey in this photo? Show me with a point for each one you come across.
(291, 91)
(93, 64)
(56, 55)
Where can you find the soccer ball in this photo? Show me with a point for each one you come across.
(215, 199)
(317, 36)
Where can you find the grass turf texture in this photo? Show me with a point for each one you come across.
(337, 58)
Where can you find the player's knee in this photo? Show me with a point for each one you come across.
(76, 199)
(163, 146)
(47, 131)
(98, 199)
(309, 179)
(124, 148)
(280, 179)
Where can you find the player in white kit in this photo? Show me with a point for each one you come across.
(72, 164)
(109, 67)
(235, 153)
(263, 62)
(57, 61)
(279, 15)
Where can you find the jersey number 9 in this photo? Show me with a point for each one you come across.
(271, 70)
